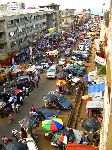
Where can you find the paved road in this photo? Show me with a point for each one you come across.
(35, 98)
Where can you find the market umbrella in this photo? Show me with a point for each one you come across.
(16, 71)
(52, 124)
(16, 90)
(29, 69)
(62, 75)
(49, 98)
(87, 98)
(91, 125)
(60, 138)
(16, 146)
(14, 67)
(61, 83)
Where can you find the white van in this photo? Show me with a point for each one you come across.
(51, 72)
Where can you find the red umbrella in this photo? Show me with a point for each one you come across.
(16, 90)
(19, 67)
(16, 71)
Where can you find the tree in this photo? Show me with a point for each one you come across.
(102, 70)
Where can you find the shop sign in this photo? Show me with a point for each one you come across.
(100, 60)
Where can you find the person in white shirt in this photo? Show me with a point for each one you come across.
(17, 108)
(14, 132)
(13, 107)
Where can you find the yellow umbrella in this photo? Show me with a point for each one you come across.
(51, 30)
(61, 83)
(86, 98)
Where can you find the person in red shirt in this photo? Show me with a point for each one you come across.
(33, 108)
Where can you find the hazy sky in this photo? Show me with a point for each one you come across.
(78, 4)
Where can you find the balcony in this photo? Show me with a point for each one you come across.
(11, 26)
(3, 38)
(3, 41)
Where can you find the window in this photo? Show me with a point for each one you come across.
(12, 21)
(0, 35)
(1, 46)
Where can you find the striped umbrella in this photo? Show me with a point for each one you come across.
(52, 124)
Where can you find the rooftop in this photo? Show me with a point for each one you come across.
(24, 11)
(52, 4)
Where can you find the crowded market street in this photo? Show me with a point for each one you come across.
(46, 100)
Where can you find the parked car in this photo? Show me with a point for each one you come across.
(51, 72)
(44, 113)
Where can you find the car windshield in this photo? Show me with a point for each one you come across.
(51, 70)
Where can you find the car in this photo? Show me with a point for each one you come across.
(51, 72)
(44, 113)
(62, 61)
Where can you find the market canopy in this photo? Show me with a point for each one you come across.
(49, 97)
(16, 71)
(16, 146)
(96, 88)
(30, 69)
(28, 122)
(74, 146)
(91, 125)
(95, 104)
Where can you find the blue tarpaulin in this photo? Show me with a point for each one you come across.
(85, 78)
(96, 88)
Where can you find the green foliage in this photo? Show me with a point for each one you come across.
(102, 70)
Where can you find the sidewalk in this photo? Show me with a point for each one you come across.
(82, 113)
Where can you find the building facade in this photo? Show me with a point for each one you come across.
(67, 18)
(20, 29)
(106, 37)
(56, 16)
(15, 6)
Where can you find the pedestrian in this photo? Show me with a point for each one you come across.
(34, 114)
(33, 108)
(14, 132)
(10, 118)
(17, 108)
(23, 133)
(37, 80)
(5, 140)
(13, 107)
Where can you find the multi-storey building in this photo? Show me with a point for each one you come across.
(17, 30)
(106, 37)
(67, 18)
(56, 17)
(15, 6)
